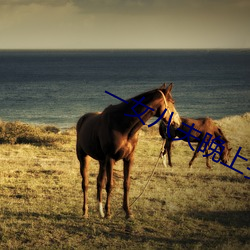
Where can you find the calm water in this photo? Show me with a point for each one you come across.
(57, 87)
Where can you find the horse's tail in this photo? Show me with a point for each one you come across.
(78, 129)
(79, 123)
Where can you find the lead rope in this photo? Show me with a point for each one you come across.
(157, 162)
(165, 101)
(149, 179)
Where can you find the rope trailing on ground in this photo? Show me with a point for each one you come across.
(149, 179)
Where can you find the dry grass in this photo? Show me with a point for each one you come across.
(41, 198)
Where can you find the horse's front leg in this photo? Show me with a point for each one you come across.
(110, 183)
(208, 159)
(100, 185)
(163, 152)
(126, 185)
(169, 148)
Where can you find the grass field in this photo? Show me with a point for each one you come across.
(182, 208)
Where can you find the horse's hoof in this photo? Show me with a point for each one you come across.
(108, 216)
(130, 216)
(85, 216)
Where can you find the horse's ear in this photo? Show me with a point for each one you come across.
(163, 86)
(169, 88)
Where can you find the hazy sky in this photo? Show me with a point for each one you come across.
(91, 24)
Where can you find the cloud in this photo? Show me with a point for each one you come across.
(141, 6)
(131, 7)
(124, 23)
(42, 26)
(16, 3)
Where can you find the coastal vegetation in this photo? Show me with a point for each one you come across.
(198, 208)
(22, 133)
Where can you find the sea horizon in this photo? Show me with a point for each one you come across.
(58, 86)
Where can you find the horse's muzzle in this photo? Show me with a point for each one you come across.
(175, 125)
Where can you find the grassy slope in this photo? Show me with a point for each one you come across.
(41, 198)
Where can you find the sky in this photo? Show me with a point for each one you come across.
(124, 24)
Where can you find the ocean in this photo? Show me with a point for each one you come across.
(57, 87)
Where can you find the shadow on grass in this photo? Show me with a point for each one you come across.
(97, 231)
(138, 235)
(236, 219)
(113, 233)
(222, 178)
(35, 215)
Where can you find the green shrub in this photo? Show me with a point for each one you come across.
(21, 133)
(52, 129)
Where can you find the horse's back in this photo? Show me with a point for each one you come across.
(85, 118)
(204, 123)
(197, 122)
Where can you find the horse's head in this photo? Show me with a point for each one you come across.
(225, 155)
(168, 103)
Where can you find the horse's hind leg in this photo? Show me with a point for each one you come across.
(126, 186)
(84, 169)
(100, 185)
(109, 185)
(194, 156)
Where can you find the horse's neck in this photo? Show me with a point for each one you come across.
(128, 124)
(137, 124)
(226, 146)
(223, 138)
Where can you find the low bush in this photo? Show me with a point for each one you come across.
(22, 133)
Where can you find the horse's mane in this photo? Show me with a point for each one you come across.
(145, 94)
(128, 103)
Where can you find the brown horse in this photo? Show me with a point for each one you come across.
(204, 125)
(110, 136)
